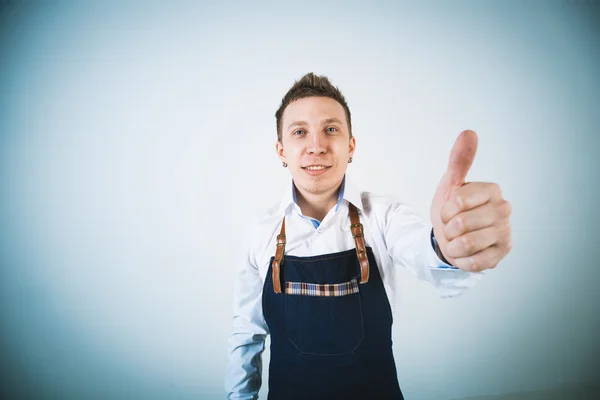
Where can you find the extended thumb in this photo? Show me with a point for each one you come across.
(461, 157)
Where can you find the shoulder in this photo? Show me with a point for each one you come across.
(263, 227)
(385, 211)
(268, 218)
(378, 204)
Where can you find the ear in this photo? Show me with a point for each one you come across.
(352, 146)
(279, 150)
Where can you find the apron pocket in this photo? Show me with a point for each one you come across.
(324, 319)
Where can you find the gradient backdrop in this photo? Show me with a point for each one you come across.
(137, 144)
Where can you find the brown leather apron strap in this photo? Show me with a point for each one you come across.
(278, 260)
(359, 240)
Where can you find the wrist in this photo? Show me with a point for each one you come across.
(436, 248)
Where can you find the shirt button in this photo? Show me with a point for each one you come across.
(319, 230)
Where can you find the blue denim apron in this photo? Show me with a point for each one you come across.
(330, 326)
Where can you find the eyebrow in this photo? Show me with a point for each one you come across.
(299, 123)
(332, 120)
(326, 121)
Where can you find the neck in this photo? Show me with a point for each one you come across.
(317, 205)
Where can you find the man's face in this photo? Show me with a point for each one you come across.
(315, 143)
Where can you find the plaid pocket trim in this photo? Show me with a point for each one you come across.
(316, 289)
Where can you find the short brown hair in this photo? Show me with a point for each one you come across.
(311, 85)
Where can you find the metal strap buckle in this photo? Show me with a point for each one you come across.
(360, 230)
(281, 240)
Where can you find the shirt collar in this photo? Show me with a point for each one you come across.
(348, 192)
(352, 194)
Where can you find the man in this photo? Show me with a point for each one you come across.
(318, 276)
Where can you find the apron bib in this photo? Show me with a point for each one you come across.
(330, 323)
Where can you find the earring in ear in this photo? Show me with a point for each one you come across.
(349, 160)
(284, 164)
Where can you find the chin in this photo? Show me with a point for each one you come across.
(317, 186)
(317, 189)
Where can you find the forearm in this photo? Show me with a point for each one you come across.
(411, 245)
(244, 368)
(247, 340)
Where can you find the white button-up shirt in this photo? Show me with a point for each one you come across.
(398, 237)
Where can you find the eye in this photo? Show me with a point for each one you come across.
(297, 132)
(332, 129)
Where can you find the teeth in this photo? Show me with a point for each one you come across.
(316, 168)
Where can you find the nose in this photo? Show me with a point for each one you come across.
(317, 145)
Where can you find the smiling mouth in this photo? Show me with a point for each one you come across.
(316, 167)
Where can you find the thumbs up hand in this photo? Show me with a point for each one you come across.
(470, 220)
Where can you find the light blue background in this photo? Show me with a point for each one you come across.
(137, 144)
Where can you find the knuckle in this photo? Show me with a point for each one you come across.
(496, 189)
(509, 245)
(508, 207)
(459, 201)
(504, 232)
(467, 242)
(459, 224)
(505, 208)
(474, 264)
